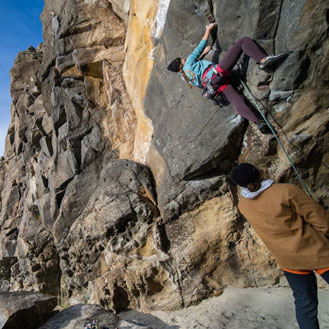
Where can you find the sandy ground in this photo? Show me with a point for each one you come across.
(250, 308)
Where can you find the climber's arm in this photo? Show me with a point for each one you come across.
(201, 48)
(207, 33)
(205, 52)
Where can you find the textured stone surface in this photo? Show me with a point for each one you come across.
(5, 272)
(114, 185)
(113, 224)
(140, 46)
(78, 316)
(25, 309)
(121, 8)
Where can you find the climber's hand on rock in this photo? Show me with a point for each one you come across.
(211, 26)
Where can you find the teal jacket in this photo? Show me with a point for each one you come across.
(193, 67)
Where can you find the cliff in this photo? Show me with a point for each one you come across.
(114, 184)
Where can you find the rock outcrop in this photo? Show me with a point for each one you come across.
(114, 184)
(25, 309)
(79, 316)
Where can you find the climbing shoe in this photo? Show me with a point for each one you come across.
(263, 128)
(270, 60)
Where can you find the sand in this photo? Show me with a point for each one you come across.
(236, 308)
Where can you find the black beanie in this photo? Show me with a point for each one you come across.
(244, 174)
(174, 66)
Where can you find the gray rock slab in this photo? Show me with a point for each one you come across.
(191, 133)
(79, 315)
(297, 65)
(22, 309)
(287, 27)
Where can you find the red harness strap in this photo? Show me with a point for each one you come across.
(218, 69)
(205, 73)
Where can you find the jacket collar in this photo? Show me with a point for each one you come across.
(253, 195)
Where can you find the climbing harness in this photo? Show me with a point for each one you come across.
(253, 100)
(214, 85)
(211, 93)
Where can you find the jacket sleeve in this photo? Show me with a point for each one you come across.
(197, 52)
(311, 211)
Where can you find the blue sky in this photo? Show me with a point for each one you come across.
(20, 28)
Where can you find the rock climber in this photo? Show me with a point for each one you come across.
(197, 71)
(294, 228)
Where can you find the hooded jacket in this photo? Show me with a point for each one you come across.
(293, 227)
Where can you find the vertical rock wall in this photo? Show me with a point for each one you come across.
(114, 185)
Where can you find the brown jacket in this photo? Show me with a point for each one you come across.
(293, 226)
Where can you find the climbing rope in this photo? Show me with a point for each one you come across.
(252, 99)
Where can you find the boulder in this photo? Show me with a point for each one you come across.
(22, 309)
(78, 316)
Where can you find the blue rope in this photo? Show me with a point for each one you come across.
(252, 98)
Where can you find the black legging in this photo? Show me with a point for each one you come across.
(250, 48)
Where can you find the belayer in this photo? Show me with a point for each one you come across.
(199, 72)
(294, 228)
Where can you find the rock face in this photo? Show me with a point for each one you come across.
(78, 316)
(25, 309)
(114, 184)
